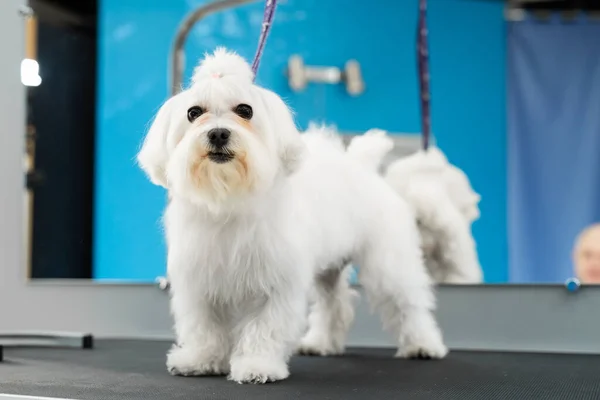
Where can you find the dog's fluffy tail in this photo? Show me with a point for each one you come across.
(370, 148)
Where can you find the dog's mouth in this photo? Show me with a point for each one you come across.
(220, 157)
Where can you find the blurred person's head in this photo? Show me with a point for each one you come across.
(586, 254)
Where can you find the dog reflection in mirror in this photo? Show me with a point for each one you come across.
(259, 215)
(443, 200)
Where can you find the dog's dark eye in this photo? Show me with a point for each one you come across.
(194, 112)
(243, 111)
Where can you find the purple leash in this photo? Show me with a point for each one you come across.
(423, 62)
(270, 6)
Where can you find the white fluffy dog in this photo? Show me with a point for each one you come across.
(444, 202)
(257, 214)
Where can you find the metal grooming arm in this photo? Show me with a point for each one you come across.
(178, 54)
(178, 60)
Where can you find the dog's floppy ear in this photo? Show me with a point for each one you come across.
(152, 157)
(289, 143)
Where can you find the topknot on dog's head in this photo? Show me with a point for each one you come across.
(223, 63)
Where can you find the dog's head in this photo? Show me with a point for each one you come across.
(223, 138)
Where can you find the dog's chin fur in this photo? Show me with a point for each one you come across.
(220, 186)
(247, 239)
(215, 184)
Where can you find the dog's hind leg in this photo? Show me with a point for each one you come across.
(331, 313)
(398, 286)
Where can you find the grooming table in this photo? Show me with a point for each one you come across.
(134, 370)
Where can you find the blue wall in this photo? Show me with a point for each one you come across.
(468, 82)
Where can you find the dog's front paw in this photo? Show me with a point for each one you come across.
(258, 370)
(433, 348)
(314, 346)
(189, 361)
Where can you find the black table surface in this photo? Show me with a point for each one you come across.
(118, 369)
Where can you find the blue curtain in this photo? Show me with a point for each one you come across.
(553, 143)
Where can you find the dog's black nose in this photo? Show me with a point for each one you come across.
(219, 137)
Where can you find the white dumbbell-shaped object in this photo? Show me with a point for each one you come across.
(299, 75)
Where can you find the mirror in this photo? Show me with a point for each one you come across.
(514, 111)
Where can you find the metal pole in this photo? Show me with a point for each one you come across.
(178, 54)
